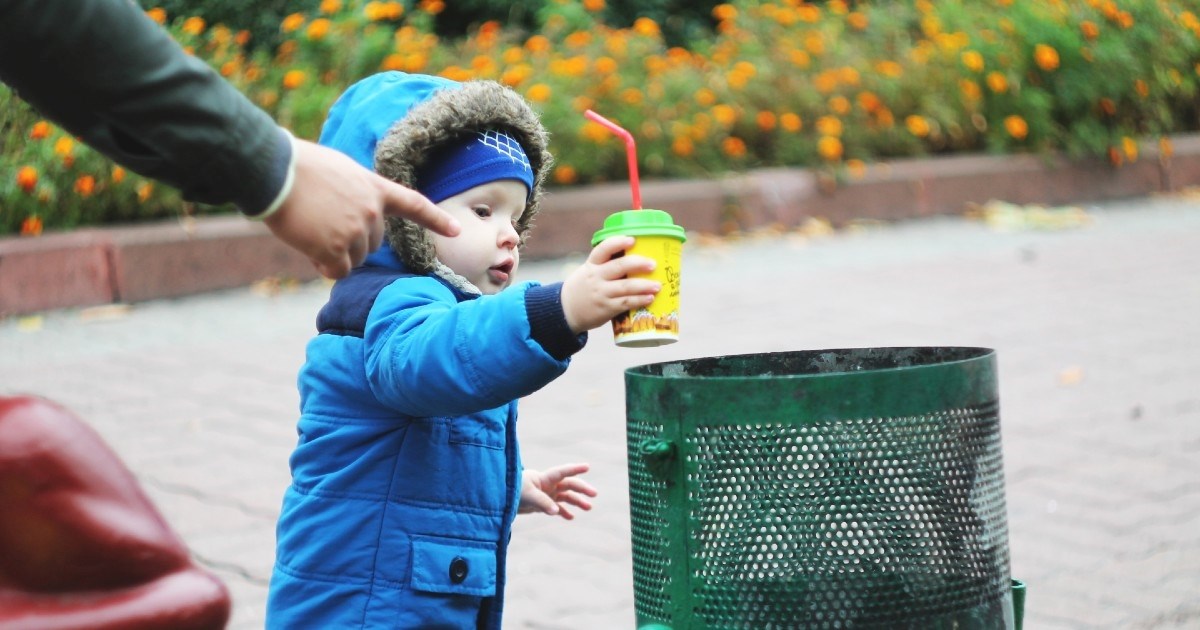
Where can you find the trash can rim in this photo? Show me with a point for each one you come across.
(657, 370)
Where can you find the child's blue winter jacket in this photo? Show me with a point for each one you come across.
(406, 476)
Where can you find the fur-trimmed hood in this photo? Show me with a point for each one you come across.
(393, 121)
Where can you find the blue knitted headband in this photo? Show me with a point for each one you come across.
(485, 157)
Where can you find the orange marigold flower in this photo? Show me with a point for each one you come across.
(733, 147)
(825, 82)
(595, 6)
(917, 125)
(857, 21)
(1045, 57)
(1189, 20)
(1089, 29)
(973, 60)
(483, 65)
(723, 12)
(889, 69)
(193, 25)
(31, 226)
(856, 168)
(1016, 127)
(294, 79)
(456, 73)
(1108, 107)
(595, 133)
(432, 7)
(605, 65)
(331, 6)
(705, 97)
(970, 90)
(229, 68)
(724, 114)
(646, 27)
(996, 82)
(40, 130)
(85, 185)
(791, 122)
(318, 29)
(416, 62)
(158, 15)
(632, 96)
(829, 148)
(394, 61)
(27, 178)
(884, 118)
(292, 23)
(1142, 88)
(578, 39)
(512, 55)
(766, 120)
(814, 44)
(565, 174)
(1130, 147)
(829, 126)
(869, 101)
(808, 13)
(801, 58)
(1114, 156)
(538, 93)
(118, 174)
(537, 44)
(145, 189)
(839, 105)
(683, 147)
(393, 10)
(242, 38)
(516, 75)
(64, 146)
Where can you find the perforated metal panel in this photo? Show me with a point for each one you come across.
(831, 489)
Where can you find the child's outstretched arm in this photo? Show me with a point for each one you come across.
(550, 491)
(599, 289)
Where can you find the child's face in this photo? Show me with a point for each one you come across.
(485, 251)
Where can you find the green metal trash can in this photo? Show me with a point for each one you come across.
(828, 489)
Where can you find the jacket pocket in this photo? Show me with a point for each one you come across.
(453, 566)
(485, 428)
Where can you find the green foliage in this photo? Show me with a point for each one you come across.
(260, 17)
(819, 85)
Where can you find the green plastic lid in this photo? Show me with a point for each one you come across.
(639, 223)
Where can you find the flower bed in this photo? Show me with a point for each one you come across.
(831, 86)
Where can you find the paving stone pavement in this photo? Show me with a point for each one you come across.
(1097, 331)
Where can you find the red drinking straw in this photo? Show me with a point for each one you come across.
(630, 153)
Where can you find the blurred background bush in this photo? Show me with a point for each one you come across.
(706, 88)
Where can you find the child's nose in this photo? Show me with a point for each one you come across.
(509, 236)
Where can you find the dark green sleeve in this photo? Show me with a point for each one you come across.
(108, 74)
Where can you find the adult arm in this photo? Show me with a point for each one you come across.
(108, 74)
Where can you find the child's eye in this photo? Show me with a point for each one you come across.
(483, 212)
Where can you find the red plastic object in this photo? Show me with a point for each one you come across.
(81, 546)
(630, 154)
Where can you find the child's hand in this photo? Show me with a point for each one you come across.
(599, 290)
(550, 491)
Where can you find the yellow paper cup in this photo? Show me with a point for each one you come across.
(657, 237)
